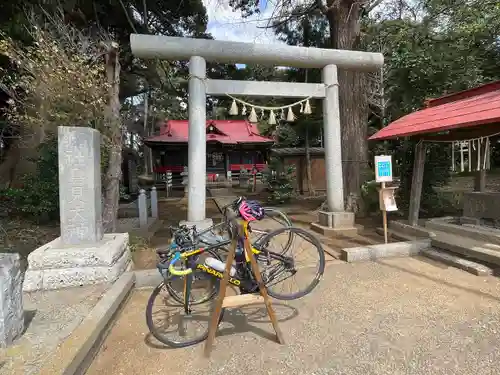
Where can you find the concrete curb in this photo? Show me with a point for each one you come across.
(409, 231)
(477, 233)
(72, 356)
(147, 278)
(373, 252)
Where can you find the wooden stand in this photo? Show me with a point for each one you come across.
(384, 217)
(387, 203)
(240, 300)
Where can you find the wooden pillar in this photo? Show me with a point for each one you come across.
(226, 161)
(300, 175)
(416, 183)
(479, 159)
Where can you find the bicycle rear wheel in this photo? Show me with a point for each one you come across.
(285, 265)
(274, 219)
(172, 326)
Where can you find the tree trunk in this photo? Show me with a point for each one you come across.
(310, 187)
(9, 164)
(344, 33)
(114, 171)
(147, 154)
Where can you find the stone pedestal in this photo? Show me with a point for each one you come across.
(11, 299)
(82, 255)
(335, 223)
(482, 205)
(243, 180)
(56, 265)
(200, 225)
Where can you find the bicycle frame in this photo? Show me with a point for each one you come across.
(247, 284)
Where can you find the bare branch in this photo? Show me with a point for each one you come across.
(128, 16)
(373, 5)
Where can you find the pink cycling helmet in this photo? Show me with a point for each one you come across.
(250, 210)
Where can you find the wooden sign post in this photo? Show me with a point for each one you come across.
(387, 201)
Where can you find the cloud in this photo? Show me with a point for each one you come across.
(226, 24)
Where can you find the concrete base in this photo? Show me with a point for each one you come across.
(55, 266)
(335, 223)
(200, 225)
(395, 249)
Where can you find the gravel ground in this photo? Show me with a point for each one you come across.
(51, 316)
(399, 316)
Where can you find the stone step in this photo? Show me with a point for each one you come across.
(467, 247)
(397, 235)
(453, 260)
(475, 232)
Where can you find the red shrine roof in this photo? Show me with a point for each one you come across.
(464, 109)
(229, 132)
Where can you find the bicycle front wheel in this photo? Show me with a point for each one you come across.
(286, 266)
(204, 286)
(171, 325)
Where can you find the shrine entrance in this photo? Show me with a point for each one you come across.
(199, 51)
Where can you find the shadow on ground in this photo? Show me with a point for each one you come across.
(240, 320)
(29, 315)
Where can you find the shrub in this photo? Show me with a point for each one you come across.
(369, 195)
(279, 180)
(38, 197)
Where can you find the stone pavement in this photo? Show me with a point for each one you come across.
(396, 316)
(50, 316)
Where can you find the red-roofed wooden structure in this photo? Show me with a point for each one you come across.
(468, 109)
(466, 115)
(231, 145)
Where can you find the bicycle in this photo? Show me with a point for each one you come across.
(276, 215)
(241, 277)
(188, 239)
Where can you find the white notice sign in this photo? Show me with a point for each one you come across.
(383, 168)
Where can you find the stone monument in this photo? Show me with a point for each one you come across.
(133, 179)
(185, 181)
(83, 254)
(11, 299)
(142, 204)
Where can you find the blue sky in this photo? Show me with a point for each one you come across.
(224, 24)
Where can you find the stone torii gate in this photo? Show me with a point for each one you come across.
(198, 51)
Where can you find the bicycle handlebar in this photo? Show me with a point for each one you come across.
(177, 272)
